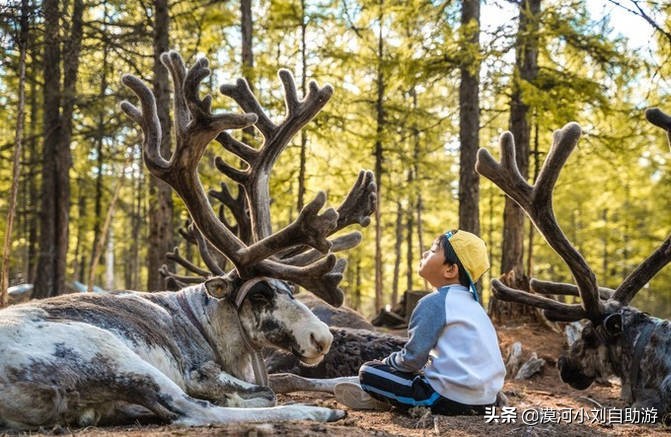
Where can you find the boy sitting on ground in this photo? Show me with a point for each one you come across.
(451, 363)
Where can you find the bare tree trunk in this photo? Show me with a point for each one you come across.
(32, 216)
(512, 256)
(160, 205)
(58, 109)
(47, 277)
(109, 260)
(247, 34)
(420, 230)
(79, 273)
(379, 107)
(526, 70)
(16, 158)
(397, 253)
(469, 118)
(105, 233)
(247, 31)
(415, 196)
(410, 260)
(304, 137)
(532, 229)
(100, 156)
(71, 56)
(133, 260)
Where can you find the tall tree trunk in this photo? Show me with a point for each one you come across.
(32, 186)
(418, 209)
(397, 252)
(79, 256)
(247, 35)
(105, 232)
(532, 229)
(97, 208)
(526, 70)
(247, 32)
(47, 277)
(109, 260)
(420, 230)
(136, 220)
(469, 118)
(99, 142)
(71, 56)
(22, 41)
(414, 200)
(304, 137)
(411, 262)
(379, 109)
(160, 205)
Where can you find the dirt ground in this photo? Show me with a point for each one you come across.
(541, 406)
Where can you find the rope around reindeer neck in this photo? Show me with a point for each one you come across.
(258, 365)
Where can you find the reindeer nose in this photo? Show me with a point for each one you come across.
(320, 344)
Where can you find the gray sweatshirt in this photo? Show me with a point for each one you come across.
(453, 341)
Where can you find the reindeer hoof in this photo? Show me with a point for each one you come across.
(337, 415)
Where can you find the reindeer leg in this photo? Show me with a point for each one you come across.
(209, 382)
(288, 382)
(142, 384)
(171, 403)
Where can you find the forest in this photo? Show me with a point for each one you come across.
(418, 85)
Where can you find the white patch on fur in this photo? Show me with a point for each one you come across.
(163, 361)
(305, 326)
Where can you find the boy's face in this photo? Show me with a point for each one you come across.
(432, 266)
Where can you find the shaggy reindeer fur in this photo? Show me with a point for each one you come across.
(349, 350)
(355, 341)
(80, 359)
(610, 349)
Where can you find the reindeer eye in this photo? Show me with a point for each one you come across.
(260, 292)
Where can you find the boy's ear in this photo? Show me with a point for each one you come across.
(450, 271)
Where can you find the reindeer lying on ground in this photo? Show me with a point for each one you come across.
(188, 357)
(617, 339)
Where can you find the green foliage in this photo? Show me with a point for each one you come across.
(612, 199)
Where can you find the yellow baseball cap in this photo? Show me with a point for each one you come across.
(471, 251)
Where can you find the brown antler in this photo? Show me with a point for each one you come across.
(564, 289)
(536, 201)
(195, 127)
(255, 179)
(238, 207)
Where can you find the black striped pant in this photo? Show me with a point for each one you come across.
(406, 390)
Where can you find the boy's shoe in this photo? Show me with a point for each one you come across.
(352, 395)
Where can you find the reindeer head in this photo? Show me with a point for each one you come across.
(599, 350)
(300, 253)
(595, 354)
(272, 317)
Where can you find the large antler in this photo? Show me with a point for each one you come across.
(196, 126)
(536, 201)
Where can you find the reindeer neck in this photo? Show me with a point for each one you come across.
(220, 319)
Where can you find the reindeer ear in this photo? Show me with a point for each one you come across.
(219, 287)
(613, 324)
